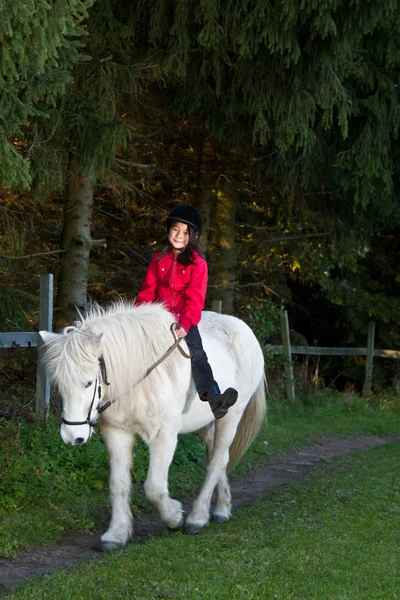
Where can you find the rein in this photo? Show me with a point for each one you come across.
(103, 373)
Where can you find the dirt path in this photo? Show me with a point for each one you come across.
(278, 470)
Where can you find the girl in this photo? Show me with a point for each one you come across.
(178, 277)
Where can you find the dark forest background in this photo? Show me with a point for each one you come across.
(278, 120)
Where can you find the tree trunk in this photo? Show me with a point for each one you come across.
(205, 189)
(76, 241)
(225, 246)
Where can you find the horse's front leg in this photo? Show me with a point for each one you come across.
(162, 449)
(119, 445)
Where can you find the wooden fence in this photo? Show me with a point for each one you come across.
(287, 349)
(31, 339)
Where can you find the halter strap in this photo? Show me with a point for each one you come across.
(88, 421)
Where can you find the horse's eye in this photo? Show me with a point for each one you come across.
(89, 383)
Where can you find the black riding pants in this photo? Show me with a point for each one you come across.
(201, 370)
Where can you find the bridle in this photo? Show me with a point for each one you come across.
(104, 379)
(97, 388)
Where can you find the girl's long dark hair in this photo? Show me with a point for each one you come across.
(186, 257)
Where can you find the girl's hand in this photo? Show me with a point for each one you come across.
(180, 332)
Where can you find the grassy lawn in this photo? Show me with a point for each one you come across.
(48, 490)
(333, 536)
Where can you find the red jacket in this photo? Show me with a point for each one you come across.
(182, 289)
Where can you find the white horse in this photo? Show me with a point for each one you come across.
(100, 366)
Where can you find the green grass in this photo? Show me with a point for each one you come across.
(319, 415)
(44, 486)
(48, 490)
(333, 536)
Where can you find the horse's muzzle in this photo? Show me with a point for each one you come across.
(75, 436)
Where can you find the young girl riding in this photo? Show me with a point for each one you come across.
(178, 277)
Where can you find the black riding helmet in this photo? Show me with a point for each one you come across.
(188, 214)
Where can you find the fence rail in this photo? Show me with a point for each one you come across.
(327, 351)
(18, 339)
(287, 350)
(31, 339)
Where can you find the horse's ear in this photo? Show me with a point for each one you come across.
(47, 336)
(96, 339)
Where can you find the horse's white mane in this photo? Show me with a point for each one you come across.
(131, 338)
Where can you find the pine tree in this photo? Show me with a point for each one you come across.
(87, 131)
(294, 75)
(40, 43)
(71, 125)
(309, 87)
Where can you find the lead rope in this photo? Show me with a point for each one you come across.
(167, 353)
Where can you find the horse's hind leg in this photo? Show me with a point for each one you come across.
(206, 434)
(223, 505)
(216, 476)
(119, 445)
(162, 449)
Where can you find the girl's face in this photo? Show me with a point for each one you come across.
(178, 236)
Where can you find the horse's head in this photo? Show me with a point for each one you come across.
(75, 365)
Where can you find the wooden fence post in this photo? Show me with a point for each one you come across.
(287, 354)
(216, 306)
(45, 323)
(370, 357)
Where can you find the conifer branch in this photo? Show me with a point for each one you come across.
(60, 251)
(297, 237)
(128, 163)
(287, 237)
(33, 255)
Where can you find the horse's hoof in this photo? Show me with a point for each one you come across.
(220, 519)
(109, 546)
(192, 529)
(177, 527)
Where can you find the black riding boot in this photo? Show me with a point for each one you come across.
(220, 403)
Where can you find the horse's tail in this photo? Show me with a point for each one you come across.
(249, 424)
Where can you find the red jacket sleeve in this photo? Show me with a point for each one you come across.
(195, 295)
(148, 291)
